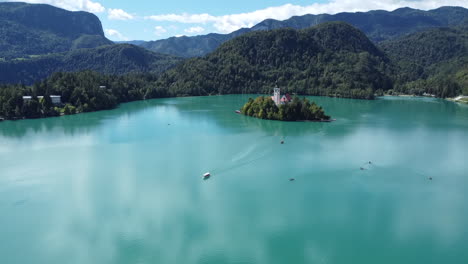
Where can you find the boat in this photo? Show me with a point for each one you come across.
(206, 175)
(237, 112)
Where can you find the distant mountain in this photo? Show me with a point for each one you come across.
(111, 59)
(377, 25)
(37, 40)
(36, 29)
(133, 42)
(333, 59)
(433, 61)
(187, 47)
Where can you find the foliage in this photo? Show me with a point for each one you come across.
(378, 25)
(80, 92)
(297, 110)
(332, 59)
(113, 59)
(38, 40)
(187, 46)
(30, 29)
(433, 61)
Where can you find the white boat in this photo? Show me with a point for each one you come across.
(206, 175)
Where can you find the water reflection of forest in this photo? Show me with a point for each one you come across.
(73, 124)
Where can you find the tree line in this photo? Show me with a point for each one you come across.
(332, 59)
(80, 92)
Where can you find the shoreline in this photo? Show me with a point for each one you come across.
(409, 95)
(452, 99)
(462, 99)
(312, 121)
(459, 99)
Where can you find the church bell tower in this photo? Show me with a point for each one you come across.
(276, 95)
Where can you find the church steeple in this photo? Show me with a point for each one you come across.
(277, 95)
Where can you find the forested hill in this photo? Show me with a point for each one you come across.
(434, 61)
(333, 59)
(112, 59)
(378, 25)
(195, 46)
(34, 29)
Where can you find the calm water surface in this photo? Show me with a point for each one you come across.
(124, 186)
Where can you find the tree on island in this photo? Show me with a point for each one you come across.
(297, 110)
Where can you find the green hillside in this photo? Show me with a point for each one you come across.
(378, 25)
(433, 61)
(332, 59)
(113, 59)
(35, 29)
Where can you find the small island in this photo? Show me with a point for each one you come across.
(284, 108)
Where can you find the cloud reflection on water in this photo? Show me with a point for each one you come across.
(129, 187)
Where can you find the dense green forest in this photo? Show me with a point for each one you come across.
(112, 59)
(332, 59)
(297, 110)
(32, 29)
(80, 92)
(433, 61)
(378, 25)
(37, 40)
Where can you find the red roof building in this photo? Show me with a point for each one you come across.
(286, 98)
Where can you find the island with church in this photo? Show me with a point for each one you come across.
(284, 108)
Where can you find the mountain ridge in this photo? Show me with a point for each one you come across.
(384, 25)
(36, 29)
(117, 59)
(331, 59)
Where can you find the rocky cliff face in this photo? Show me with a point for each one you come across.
(55, 20)
(34, 29)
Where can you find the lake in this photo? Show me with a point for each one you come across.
(125, 186)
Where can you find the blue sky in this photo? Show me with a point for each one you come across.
(157, 19)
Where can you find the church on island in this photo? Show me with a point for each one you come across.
(277, 97)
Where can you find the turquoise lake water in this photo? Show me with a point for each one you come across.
(124, 186)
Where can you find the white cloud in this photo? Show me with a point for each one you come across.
(229, 23)
(118, 14)
(194, 30)
(184, 18)
(72, 5)
(159, 30)
(114, 34)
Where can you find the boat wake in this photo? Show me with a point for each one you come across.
(250, 155)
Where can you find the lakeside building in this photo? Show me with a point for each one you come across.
(56, 99)
(278, 99)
